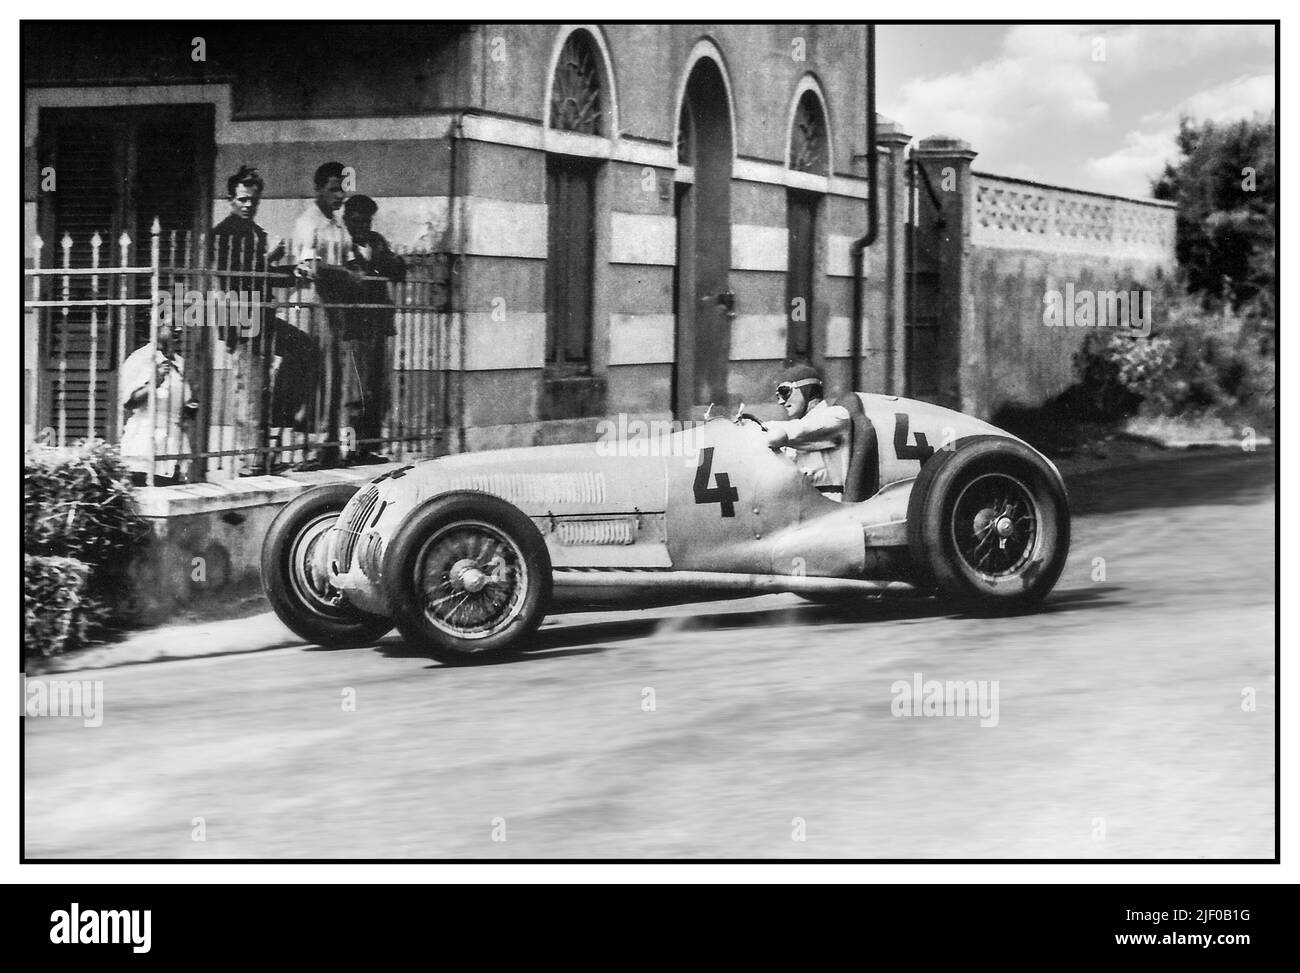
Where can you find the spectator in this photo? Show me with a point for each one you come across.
(239, 246)
(154, 371)
(366, 329)
(320, 242)
(319, 236)
(276, 369)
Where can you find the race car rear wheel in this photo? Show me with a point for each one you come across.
(468, 577)
(989, 524)
(298, 590)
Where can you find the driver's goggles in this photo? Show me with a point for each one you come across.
(786, 389)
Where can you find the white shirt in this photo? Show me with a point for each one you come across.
(819, 444)
(316, 239)
(139, 371)
(319, 237)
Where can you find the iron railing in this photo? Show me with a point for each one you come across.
(257, 362)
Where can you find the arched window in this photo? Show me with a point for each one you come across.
(577, 102)
(581, 103)
(810, 153)
(808, 136)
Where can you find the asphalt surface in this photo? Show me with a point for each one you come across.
(1120, 731)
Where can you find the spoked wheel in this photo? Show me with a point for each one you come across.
(473, 577)
(469, 576)
(995, 525)
(989, 524)
(295, 579)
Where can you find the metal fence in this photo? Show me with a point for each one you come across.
(210, 356)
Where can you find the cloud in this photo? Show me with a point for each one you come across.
(1129, 169)
(1149, 48)
(1043, 76)
(1058, 96)
(1242, 97)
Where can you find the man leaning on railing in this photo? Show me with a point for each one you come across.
(367, 327)
(276, 368)
(320, 242)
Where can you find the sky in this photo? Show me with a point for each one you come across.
(1084, 106)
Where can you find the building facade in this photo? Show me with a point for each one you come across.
(638, 219)
(611, 219)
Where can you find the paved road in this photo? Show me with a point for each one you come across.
(1120, 727)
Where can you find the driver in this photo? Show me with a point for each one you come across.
(816, 436)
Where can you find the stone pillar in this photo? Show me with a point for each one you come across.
(947, 214)
(892, 142)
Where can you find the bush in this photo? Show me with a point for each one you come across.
(1119, 373)
(77, 502)
(56, 611)
(1102, 393)
(77, 510)
(1200, 362)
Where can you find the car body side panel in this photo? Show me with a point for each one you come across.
(616, 541)
(745, 509)
(720, 508)
(909, 431)
(712, 498)
(552, 484)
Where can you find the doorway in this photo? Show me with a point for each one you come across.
(702, 206)
(117, 170)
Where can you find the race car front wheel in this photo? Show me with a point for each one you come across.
(989, 524)
(468, 577)
(298, 589)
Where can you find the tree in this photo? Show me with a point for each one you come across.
(1225, 185)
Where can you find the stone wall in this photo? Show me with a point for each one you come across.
(462, 169)
(1029, 239)
(993, 249)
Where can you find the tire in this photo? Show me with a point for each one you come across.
(308, 605)
(484, 557)
(988, 525)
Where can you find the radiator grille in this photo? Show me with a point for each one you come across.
(362, 508)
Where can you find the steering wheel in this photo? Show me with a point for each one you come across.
(740, 417)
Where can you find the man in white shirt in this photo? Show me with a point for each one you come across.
(319, 236)
(321, 245)
(816, 436)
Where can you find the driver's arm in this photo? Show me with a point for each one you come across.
(776, 436)
(820, 427)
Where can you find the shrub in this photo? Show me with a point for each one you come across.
(56, 611)
(78, 510)
(1198, 363)
(77, 502)
(1103, 393)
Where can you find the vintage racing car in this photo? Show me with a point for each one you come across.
(466, 554)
